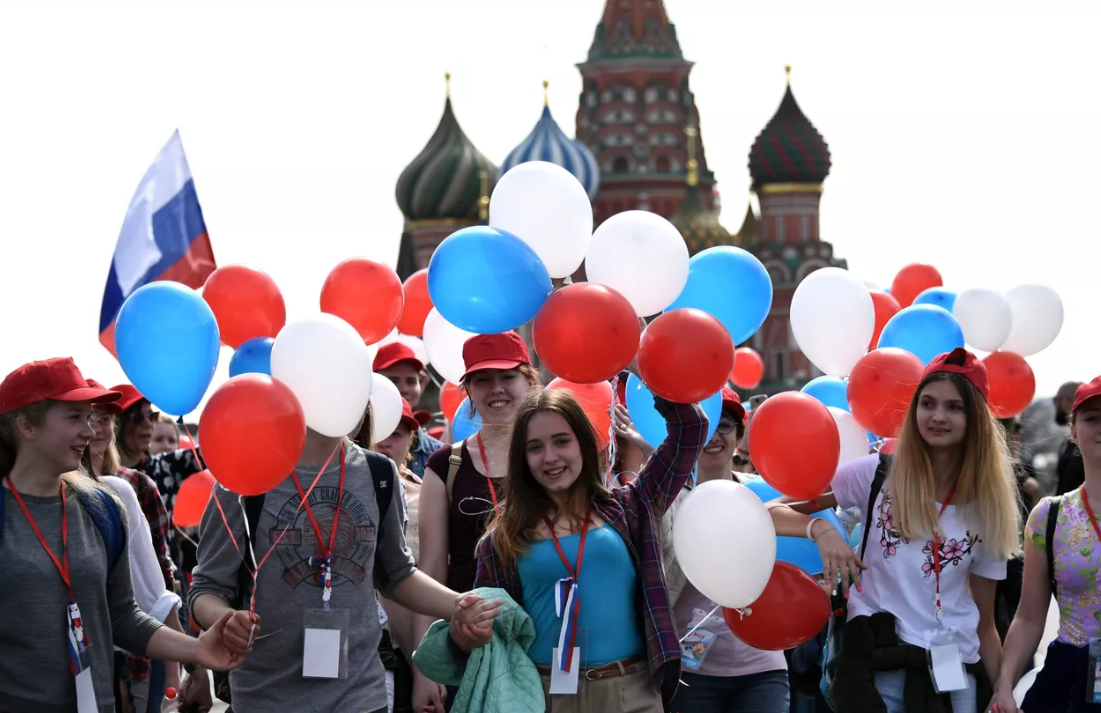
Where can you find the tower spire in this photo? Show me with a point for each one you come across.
(546, 94)
(447, 84)
(787, 68)
(483, 201)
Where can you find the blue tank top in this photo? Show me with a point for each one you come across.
(608, 590)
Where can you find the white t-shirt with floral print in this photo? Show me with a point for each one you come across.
(900, 575)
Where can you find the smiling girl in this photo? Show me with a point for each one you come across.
(942, 527)
(561, 526)
(65, 602)
(463, 484)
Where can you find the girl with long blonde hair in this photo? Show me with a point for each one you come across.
(941, 528)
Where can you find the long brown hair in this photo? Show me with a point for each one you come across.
(985, 489)
(525, 502)
(123, 420)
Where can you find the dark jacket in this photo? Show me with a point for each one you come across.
(870, 644)
(1069, 470)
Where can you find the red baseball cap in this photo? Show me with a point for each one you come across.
(407, 416)
(394, 352)
(130, 396)
(494, 351)
(108, 407)
(732, 402)
(962, 362)
(58, 379)
(1086, 392)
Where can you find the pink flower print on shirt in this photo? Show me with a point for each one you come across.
(951, 552)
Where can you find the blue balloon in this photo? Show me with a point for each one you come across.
(650, 424)
(252, 357)
(830, 390)
(730, 285)
(166, 338)
(925, 331)
(487, 281)
(464, 426)
(798, 551)
(937, 296)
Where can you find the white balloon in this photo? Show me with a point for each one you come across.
(1037, 319)
(385, 408)
(642, 256)
(546, 206)
(725, 542)
(328, 367)
(444, 343)
(832, 319)
(854, 439)
(414, 343)
(985, 317)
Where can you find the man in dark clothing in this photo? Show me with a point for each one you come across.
(1069, 469)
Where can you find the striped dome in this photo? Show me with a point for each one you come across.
(444, 181)
(547, 142)
(789, 149)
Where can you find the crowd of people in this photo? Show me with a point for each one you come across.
(529, 567)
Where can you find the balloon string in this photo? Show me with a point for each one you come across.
(191, 442)
(690, 631)
(255, 571)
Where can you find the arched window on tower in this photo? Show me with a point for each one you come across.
(662, 164)
(619, 165)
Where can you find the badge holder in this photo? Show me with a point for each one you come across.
(695, 645)
(325, 653)
(1093, 681)
(82, 656)
(565, 683)
(946, 667)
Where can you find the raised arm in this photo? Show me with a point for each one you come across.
(671, 463)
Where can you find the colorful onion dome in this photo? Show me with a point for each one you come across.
(547, 142)
(789, 149)
(445, 180)
(698, 224)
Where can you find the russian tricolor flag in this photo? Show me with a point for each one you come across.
(163, 237)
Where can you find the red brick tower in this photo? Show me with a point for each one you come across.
(788, 163)
(634, 106)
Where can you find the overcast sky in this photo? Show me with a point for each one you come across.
(965, 138)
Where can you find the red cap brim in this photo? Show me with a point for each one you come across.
(88, 393)
(492, 364)
(382, 366)
(423, 418)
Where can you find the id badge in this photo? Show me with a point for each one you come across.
(565, 682)
(1093, 682)
(945, 664)
(85, 688)
(325, 651)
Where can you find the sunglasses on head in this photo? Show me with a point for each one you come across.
(139, 416)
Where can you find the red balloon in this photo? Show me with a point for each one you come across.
(1012, 384)
(792, 610)
(886, 306)
(586, 333)
(748, 368)
(246, 302)
(596, 401)
(685, 356)
(253, 433)
(881, 386)
(365, 294)
(889, 446)
(192, 498)
(451, 397)
(795, 445)
(417, 304)
(912, 280)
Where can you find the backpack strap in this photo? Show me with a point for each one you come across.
(1052, 521)
(881, 472)
(454, 461)
(382, 475)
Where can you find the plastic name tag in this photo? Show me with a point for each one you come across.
(325, 650)
(1093, 683)
(945, 664)
(85, 689)
(565, 682)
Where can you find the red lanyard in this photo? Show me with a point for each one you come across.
(485, 464)
(1089, 512)
(325, 559)
(936, 547)
(567, 601)
(62, 564)
(575, 572)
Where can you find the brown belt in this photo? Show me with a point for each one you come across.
(612, 670)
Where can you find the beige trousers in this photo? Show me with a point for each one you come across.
(632, 693)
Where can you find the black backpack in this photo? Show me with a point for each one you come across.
(382, 473)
